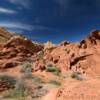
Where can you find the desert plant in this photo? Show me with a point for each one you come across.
(37, 79)
(26, 67)
(53, 69)
(41, 54)
(67, 50)
(15, 94)
(55, 82)
(76, 75)
(20, 84)
(20, 92)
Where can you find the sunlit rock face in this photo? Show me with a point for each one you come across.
(55, 64)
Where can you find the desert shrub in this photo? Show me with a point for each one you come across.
(41, 54)
(18, 92)
(26, 67)
(10, 79)
(67, 50)
(55, 82)
(20, 84)
(76, 75)
(15, 94)
(53, 69)
(37, 79)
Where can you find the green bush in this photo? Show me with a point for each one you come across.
(53, 69)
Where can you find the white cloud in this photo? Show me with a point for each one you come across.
(16, 25)
(7, 11)
(22, 26)
(23, 3)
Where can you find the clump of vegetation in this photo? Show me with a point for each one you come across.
(20, 84)
(15, 94)
(19, 92)
(11, 80)
(37, 79)
(26, 69)
(67, 50)
(53, 69)
(41, 54)
(26, 66)
(76, 75)
(55, 82)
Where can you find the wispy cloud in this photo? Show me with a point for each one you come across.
(7, 11)
(23, 3)
(23, 26)
(16, 25)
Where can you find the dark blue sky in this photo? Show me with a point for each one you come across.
(55, 20)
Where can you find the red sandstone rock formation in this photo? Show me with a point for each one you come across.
(82, 57)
